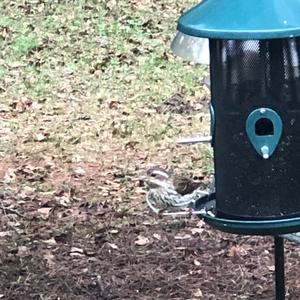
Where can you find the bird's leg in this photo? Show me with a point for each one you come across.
(161, 212)
(190, 212)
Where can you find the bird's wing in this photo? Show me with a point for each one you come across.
(186, 200)
(185, 185)
(149, 202)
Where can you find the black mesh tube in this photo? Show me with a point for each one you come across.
(246, 75)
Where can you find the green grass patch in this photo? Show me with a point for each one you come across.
(74, 59)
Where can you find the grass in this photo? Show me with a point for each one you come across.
(91, 73)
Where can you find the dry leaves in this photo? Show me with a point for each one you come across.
(79, 172)
(41, 137)
(157, 236)
(183, 237)
(197, 231)
(78, 252)
(197, 262)
(50, 242)
(21, 105)
(113, 246)
(237, 251)
(23, 251)
(4, 234)
(198, 293)
(44, 212)
(111, 4)
(10, 176)
(50, 259)
(142, 241)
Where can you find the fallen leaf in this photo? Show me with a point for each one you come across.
(64, 201)
(200, 224)
(196, 231)
(75, 249)
(41, 137)
(23, 251)
(237, 251)
(79, 171)
(180, 248)
(142, 241)
(29, 190)
(111, 4)
(20, 106)
(136, 2)
(113, 246)
(197, 262)
(113, 104)
(271, 268)
(157, 236)
(51, 241)
(50, 259)
(9, 176)
(183, 237)
(4, 233)
(147, 223)
(198, 293)
(44, 212)
(131, 144)
(76, 252)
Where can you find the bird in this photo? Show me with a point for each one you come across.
(183, 185)
(168, 190)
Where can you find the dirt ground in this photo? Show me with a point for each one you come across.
(90, 96)
(61, 246)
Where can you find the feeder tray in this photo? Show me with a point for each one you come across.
(258, 227)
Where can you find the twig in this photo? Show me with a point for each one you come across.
(7, 210)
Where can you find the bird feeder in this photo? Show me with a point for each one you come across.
(253, 48)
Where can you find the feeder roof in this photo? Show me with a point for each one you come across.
(242, 19)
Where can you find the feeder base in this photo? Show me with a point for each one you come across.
(269, 227)
(250, 227)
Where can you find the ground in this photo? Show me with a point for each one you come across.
(90, 96)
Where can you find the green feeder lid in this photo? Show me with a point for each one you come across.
(242, 19)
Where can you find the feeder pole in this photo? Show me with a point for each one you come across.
(279, 268)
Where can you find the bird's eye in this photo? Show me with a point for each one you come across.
(153, 175)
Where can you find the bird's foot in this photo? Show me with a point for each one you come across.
(190, 211)
(161, 212)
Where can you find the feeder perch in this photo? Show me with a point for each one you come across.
(253, 48)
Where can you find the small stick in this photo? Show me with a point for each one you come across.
(6, 210)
